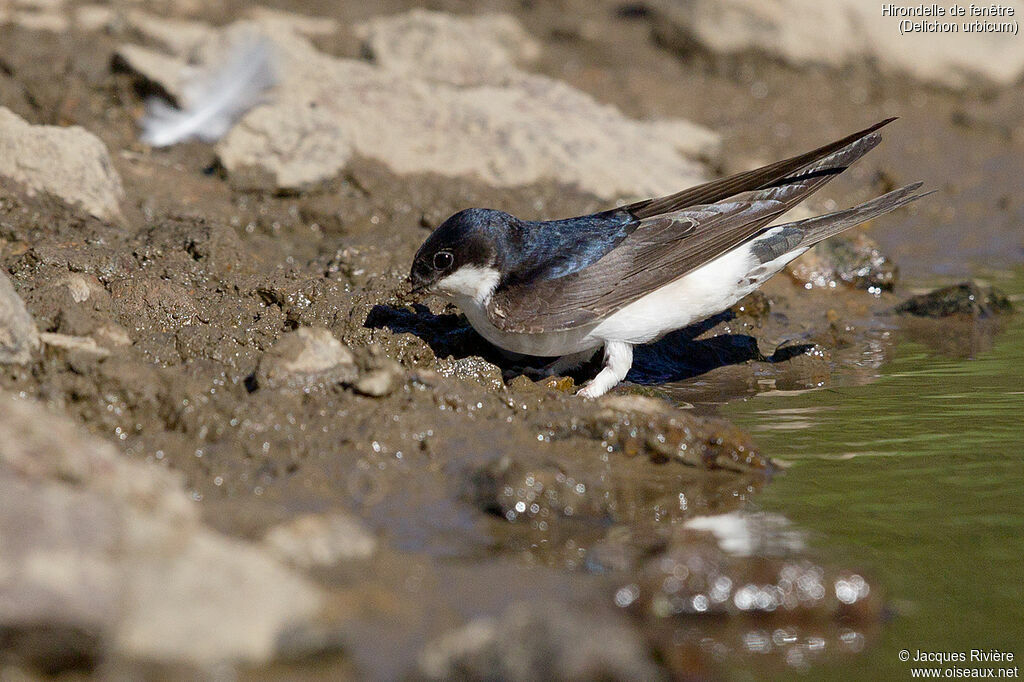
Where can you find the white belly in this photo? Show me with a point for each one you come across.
(552, 344)
(706, 291)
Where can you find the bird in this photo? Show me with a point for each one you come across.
(565, 289)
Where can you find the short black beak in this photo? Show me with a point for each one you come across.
(418, 280)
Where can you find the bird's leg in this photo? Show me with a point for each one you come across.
(618, 358)
(560, 366)
(568, 363)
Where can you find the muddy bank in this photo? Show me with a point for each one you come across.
(426, 500)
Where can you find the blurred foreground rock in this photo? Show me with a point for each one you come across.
(448, 101)
(103, 557)
(540, 642)
(18, 334)
(841, 33)
(69, 163)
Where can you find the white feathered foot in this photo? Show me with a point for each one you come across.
(618, 358)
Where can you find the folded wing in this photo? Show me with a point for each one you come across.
(673, 236)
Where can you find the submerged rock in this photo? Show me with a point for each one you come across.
(701, 602)
(960, 299)
(69, 163)
(19, 337)
(840, 33)
(540, 642)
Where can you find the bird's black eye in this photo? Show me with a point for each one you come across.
(443, 260)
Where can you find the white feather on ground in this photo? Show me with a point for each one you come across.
(214, 100)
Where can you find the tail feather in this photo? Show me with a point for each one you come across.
(796, 237)
(822, 227)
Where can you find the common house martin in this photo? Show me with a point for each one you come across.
(630, 275)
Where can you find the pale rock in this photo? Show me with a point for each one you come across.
(114, 550)
(69, 163)
(320, 540)
(839, 33)
(470, 50)
(517, 129)
(19, 337)
(81, 344)
(306, 356)
(95, 17)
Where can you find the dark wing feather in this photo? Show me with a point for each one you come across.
(758, 178)
(666, 246)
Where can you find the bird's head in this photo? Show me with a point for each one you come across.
(464, 256)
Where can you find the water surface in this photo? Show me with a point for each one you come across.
(918, 477)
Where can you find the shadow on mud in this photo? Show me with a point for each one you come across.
(678, 356)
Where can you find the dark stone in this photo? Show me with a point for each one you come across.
(960, 299)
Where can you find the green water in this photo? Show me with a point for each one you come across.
(917, 478)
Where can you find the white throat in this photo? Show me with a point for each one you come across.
(470, 281)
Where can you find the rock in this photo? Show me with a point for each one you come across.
(469, 50)
(855, 260)
(35, 15)
(163, 71)
(306, 357)
(112, 335)
(689, 138)
(840, 33)
(960, 299)
(95, 17)
(18, 335)
(206, 598)
(515, 129)
(381, 380)
(540, 642)
(320, 540)
(104, 556)
(81, 344)
(379, 375)
(69, 163)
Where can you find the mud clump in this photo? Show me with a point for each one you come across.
(636, 425)
(966, 299)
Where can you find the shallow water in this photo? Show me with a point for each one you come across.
(917, 479)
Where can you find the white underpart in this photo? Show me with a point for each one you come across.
(704, 292)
